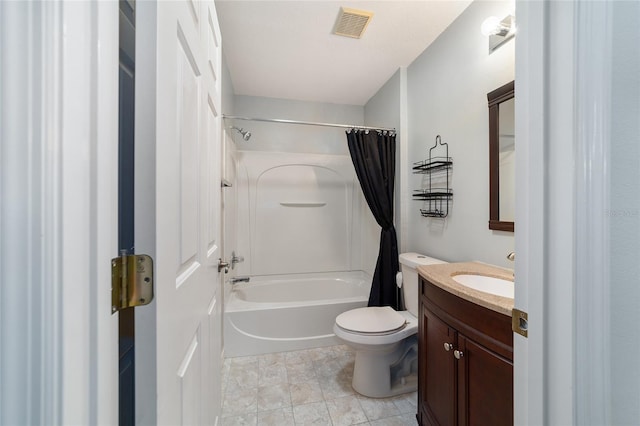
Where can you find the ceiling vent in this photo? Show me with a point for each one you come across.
(352, 22)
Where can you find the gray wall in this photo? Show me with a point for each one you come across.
(383, 109)
(228, 94)
(295, 138)
(447, 88)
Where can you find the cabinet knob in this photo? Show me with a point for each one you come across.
(458, 354)
(448, 346)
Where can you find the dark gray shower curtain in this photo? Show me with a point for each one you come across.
(374, 157)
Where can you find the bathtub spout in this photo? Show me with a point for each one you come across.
(234, 280)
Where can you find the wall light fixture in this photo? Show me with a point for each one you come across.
(498, 31)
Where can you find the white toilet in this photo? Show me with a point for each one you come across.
(385, 340)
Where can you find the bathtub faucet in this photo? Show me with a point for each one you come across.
(234, 280)
(235, 259)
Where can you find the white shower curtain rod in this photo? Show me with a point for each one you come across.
(308, 123)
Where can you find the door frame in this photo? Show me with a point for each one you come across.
(543, 369)
(58, 212)
(536, 271)
(145, 205)
(562, 116)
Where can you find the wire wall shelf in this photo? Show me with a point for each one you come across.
(432, 194)
(431, 166)
(438, 193)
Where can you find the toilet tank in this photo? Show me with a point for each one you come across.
(409, 263)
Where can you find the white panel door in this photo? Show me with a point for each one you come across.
(187, 211)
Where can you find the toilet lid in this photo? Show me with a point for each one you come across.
(373, 319)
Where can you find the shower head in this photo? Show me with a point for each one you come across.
(246, 135)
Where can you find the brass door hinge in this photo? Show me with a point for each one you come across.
(131, 281)
(520, 322)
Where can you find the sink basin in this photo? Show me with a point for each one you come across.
(491, 285)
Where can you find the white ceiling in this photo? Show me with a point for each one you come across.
(286, 49)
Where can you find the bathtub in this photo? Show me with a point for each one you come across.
(289, 312)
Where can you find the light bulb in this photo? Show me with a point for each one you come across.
(490, 26)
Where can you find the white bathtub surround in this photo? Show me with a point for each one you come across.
(289, 312)
(297, 213)
(299, 229)
(315, 389)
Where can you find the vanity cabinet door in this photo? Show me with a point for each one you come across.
(469, 381)
(485, 386)
(437, 394)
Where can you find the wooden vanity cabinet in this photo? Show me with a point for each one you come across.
(465, 368)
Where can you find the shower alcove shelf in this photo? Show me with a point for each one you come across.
(436, 191)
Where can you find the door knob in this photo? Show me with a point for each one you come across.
(448, 346)
(223, 265)
(458, 354)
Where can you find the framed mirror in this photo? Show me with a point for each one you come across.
(502, 158)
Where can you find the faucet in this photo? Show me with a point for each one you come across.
(235, 259)
(234, 280)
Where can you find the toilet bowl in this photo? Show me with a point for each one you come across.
(385, 340)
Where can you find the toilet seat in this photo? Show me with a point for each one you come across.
(371, 321)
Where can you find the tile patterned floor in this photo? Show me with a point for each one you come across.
(308, 387)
